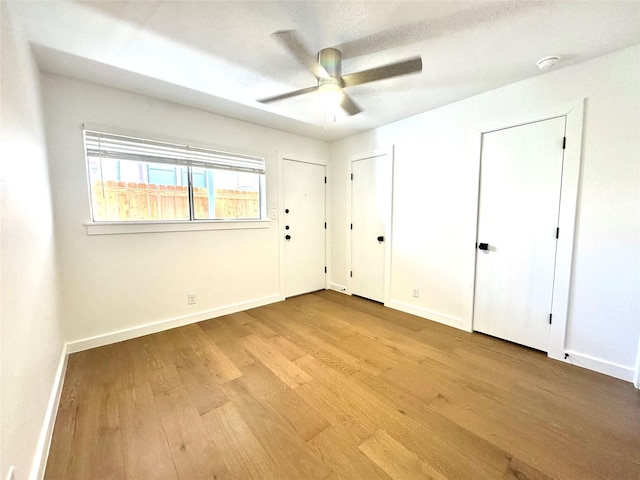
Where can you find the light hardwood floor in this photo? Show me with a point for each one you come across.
(327, 386)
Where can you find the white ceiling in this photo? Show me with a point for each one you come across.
(219, 55)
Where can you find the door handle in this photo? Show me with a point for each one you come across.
(483, 246)
(381, 238)
(287, 237)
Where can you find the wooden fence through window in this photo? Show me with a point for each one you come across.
(118, 201)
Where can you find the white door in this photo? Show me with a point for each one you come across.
(304, 227)
(520, 182)
(370, 210)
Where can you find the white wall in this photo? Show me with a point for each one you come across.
(434, 211)
(118, 282)
(30, 333)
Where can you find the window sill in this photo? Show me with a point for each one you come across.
(120, 228)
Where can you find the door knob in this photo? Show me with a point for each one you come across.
(381, 238)
(287, 237)
(483, 246)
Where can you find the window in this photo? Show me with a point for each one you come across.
(133, 179)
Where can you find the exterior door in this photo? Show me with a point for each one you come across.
(304, 227)
(520, 183)
(370, 210)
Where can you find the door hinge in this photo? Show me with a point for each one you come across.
(351, 226)
(352, 176)
(325, 269)
(564, 143)
(558, 232)
(325, 225)
(325, 179)
(351, 273)
(550, 317)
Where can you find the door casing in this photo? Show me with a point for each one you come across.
(276, 209)
(387, 154)
(574, 113)
(520, 188)
(305, 251)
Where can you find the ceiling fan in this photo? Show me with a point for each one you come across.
(326, 66)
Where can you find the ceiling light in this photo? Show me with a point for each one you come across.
(545, 63)
(331, 95)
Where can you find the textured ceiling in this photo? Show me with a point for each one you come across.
(220, 56)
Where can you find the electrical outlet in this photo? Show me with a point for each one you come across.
(192, 298)
(10, 474)
(416, 292)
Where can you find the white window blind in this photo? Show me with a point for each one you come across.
(119, 147)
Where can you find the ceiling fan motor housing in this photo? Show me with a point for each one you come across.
(331, 60)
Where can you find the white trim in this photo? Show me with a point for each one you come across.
(120, 228)
(352, 158)
(338, 288)
(302, 158)
(327, 230)
(574, 113)
(469, 299)
(599, 365)
(388, 217)
(389, 227)
(545, 113)
(636, 376)
(292, 157)
(162, 325)
(567, 225)
(427, 314)
(279, 206)
(46, 433)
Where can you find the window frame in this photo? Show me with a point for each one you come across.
(110, 227)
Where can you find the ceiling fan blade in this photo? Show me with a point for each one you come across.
(349, 105)
(288, 95)
(292, 42)
(405, 67)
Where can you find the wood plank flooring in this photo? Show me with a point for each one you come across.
(327, 386)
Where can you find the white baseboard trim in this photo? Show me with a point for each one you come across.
(425, 313)
(149, 328)
(337, 287)
(636, 375)
(44, 441)
(598, 365)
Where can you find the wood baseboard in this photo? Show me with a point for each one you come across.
(425, 313)
(338, 288)
(149, 328)
(599, 365)
(46, 433)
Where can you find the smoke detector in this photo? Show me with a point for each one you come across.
(545, 63)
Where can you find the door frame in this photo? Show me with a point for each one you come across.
(574, 113)
(387, 217)
(279, 208)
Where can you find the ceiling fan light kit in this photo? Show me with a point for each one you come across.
(327, 68)
(331, 95)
